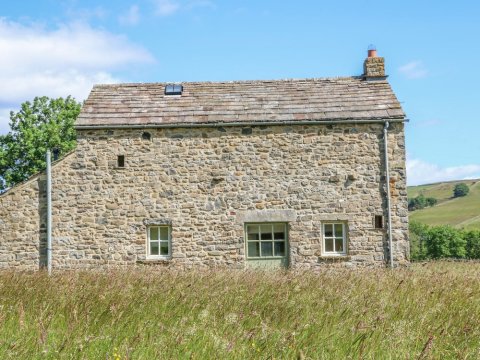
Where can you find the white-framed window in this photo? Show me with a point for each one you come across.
(159, 242)
(334, 239)
(267, 240)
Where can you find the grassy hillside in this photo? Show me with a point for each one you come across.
(421, 312)
(463, 212)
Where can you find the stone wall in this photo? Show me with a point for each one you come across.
(206, 182)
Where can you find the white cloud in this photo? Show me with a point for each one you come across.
(4, 119)
(166, 7)
(131, 17)
(414, 70)
(420, 172)
(68, 60)
(170, 7)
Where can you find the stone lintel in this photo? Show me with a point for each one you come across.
(157, 222)
(279, 215)
(333, 217)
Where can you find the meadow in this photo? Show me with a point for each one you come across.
(461, 213)
(429, 310)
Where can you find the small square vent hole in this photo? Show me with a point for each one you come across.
(121, 161)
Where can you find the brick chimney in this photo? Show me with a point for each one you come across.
(374, 66)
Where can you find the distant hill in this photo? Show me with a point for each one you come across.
(463, 212)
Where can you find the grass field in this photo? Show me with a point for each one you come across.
(429, 311)
(461, 212)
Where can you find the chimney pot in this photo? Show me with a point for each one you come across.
(373, 66)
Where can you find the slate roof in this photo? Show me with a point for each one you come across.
(328, 99)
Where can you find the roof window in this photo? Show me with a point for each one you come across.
(173, 89)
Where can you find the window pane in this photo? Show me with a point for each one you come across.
(164, 248)
(328, 230)
(279, 248)
(267, 236)
(339, 230)
(267, 249)
(328, 245)
(253, 249)
(279, 232)
(154, 248)
(164, 233)
(154, 233)
(266, 231)
(252, 232)
(339, 244)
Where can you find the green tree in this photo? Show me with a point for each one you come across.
(421, 202)
(473, 243)
(418, 239)
(444, 241)
(460, 190)
(38, 126)
(430, 201)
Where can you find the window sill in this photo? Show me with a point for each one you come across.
(334, 258)
(166, 260)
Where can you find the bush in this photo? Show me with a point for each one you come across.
(421, 202)
(418, 236)
(473, 243)
(460, 190)
(444, 241)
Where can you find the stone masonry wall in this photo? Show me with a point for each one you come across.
(206, 182)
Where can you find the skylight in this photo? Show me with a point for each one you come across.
(173, 89)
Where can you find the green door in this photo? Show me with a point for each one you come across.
(266, 245)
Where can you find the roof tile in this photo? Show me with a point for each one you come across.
(248, 101)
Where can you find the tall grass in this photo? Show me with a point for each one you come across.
(430, 311)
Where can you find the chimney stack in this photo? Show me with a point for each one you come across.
(373, 66)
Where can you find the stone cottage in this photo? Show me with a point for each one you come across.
(279, 173)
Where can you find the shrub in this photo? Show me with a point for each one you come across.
(418, 236)
(473, 243)
(444, 241)
(421, 202)
(460, 190)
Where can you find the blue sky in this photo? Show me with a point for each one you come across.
(432, 53)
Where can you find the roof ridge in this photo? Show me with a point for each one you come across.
(232, 81)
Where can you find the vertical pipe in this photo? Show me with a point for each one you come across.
(387, 176)
(49, 213)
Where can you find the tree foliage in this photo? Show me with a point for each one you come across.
(43, 124)
(421, 202)
(473, 244)
(436, 242)
(444, 241)
(460, 190)
(418, 239)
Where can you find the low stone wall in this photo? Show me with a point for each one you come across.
(23, 225)
(206, 182)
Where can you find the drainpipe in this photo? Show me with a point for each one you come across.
(49, 213)
(387, 176)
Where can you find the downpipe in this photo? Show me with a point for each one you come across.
(49, 212)
(387, 177)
